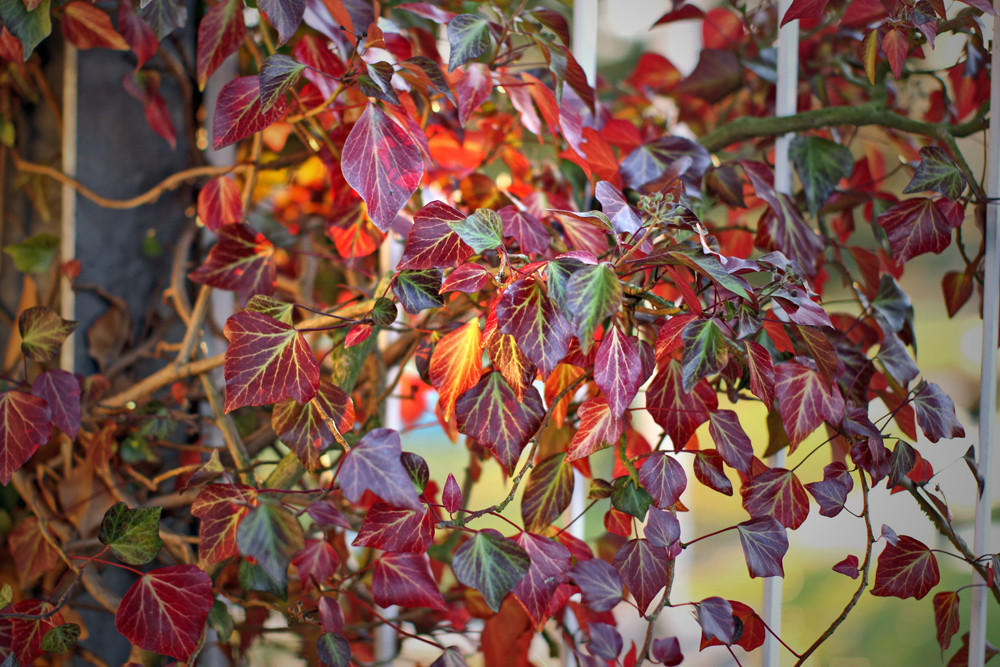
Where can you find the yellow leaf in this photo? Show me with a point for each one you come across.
(870, 49)
(456, 365)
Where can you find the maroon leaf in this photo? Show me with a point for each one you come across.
(748, 629)
(220, 203)
(373, 465)
(717, 74)
(715, 616)
(472, 90)
(946, 619)
(605, 641)
(406, 580)
(238, 113)
(679, 413)
(451, 497)
(663, 530)
(331, 616)
(599, 428)
(730, 439)
(906, 569)
(525, 228)
(918, 226)
(644, 569)
(285, 16)
(667, 651)
(902, 461)
(804, 9)
(547, 493)
(663, 478)
(599, 583)
(848, 566)
(617, 370)
(61, 390)
(805, 401)
(549, 564)
(783, 228)
(936, 413)
(308, 429)
(831, 493)
(25, 425)
(316, 563)
(137, 33)
(220, 34)
(761, 372)
(957, 287)
(897, 360)
(25, 638)
(491, 413)
(764, 545)
(540, 329)
(267, 362)
(431, 243)
(382, 163)
(467, 278)
(242, 261)
(779, 493)
(709, 471)
(392, 529)
(165, 611)
(221, 508)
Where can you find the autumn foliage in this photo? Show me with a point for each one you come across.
(431, 202)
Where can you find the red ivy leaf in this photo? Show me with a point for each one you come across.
(406, 579)
(667, 650)
(618, 370)
(392, 529)
(549, 563)
(936, 413)
(678, 412)
(831, 493)
(804, 9)
(382, 163)
(472, 90)
(307, 429)
(918, 226)
(599, 428)
(895, 46)
(88, 27)
(25, 425)
(285, 16)
(715, 616)
(751, 634)
(548, 492)
(221, 508)
(267, 362)
(242, 261)
(61, 390)
(643, 568)
(805, 401)
(525, 228)
(764, 545)
(906, 569)
(220, 203)
(541, 330)
(220, 34)
(316, 562)
(709, 471)
(730, 439)
(779, 493)
(467, 278)
(238, 113)
(599, 583)
(137, 33)
(663, 478)
(431, 243)
(33, 555)
(946, 619)
(957, 287)
(761, 372)
(451, 497)
(491, 413)
(848, 566)
(165, 611)
(26, 634)
(374, 465)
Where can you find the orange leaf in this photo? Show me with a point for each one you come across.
(88, 27)
(457, 364)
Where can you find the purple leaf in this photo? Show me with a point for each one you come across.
(730, 439)
(550, 562)
(936, 413)
(764, 545)
(373, 465)
(663, 478)
(644, 569)
(715, 616)
(491, 413)
(61, 390)
(599, 583)
(238, 113)
(831, 493)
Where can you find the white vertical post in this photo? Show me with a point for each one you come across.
(785, 105)
(988, 375)
(67, 251)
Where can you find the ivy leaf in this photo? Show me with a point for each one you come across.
(456, 365)
(593, 293)
(88, 27)
(382, 164)
(238, 112)
(804, 9)
(284, 15)
(309, 429)
(779, 493)
(61, 639)
(705, 351)
(220, 34)
(267, 362)
(33, 555)
(418, 290)
(333, 650)
(644, 569)
(599, 583)
(831, 493)
(630, 498)
(730, 439)
(451, 496)
(406, 580)
(936, 413)
(132, 534)
(957, 288)
(148, 614)
(270, 536)
(431, 243)
(163, 16)
(316, 563)
(623, 217)
(821, 164)
(35, 254)
(242, 261)
(906, 569)
(849, 567)
(599, 428)
(667, 650)
(472, 90)
(549, 563)
(511, 362)
(278, 74)
(25, 636)
(433, 73)
(525, 228)
(764, 545)
(946, 619)
(709, 471)
(663, 530)
(469, 38)
(761, 370)
(137, 33)
(937, 172)
(43, 332)
(482, 231)
(373, 465)
(25, 425)
(715, 616)
(664, 478)
(540, 329)
(30, 27)
(220, 202)
(618, 370)
(491, 413)
(783, 228)
(897, 360)
(393, 529)
(805, 401)
(467, 278)
(680, 413)
(491, 564)
(918, 226)
(416, 467)
(547, 493)
(221, 508)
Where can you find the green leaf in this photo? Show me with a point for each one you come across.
(384, 312)
(61, 639)
(132, 534)
(705, 351)
(268, 305)
(710, 267)
(29, 27)
(821, 164)
(33, 255)
(220, 620)
(592, 294)
(483, 230)
(418, 290)
(6, 595)
(629, 498)
(547, 493)
(254, 578)
(469, 37)
(491, 564)
(937, 172)
(272, 536)
(278, 74)
(43, 332)
(333, 650)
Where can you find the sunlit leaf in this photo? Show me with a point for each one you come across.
(540, 329)
(918, 226)
(456, 364)
(220, 34)
(25, 425)
(394, 529)
(593, 293)
(431, 243)
(906, 569)
(778, 493)
(220, 202)
(705, 351)
(373, 465)
(492, 564)
(680, 413)
(491, 413)
(472, 90)
(547, 493)
(761, 372)
(618, 369)
(511, 362)
(132, 533)
(238, 113)
(242, 260)
(805, 401)
(599, 428)
(482, 230)
(221, 508)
